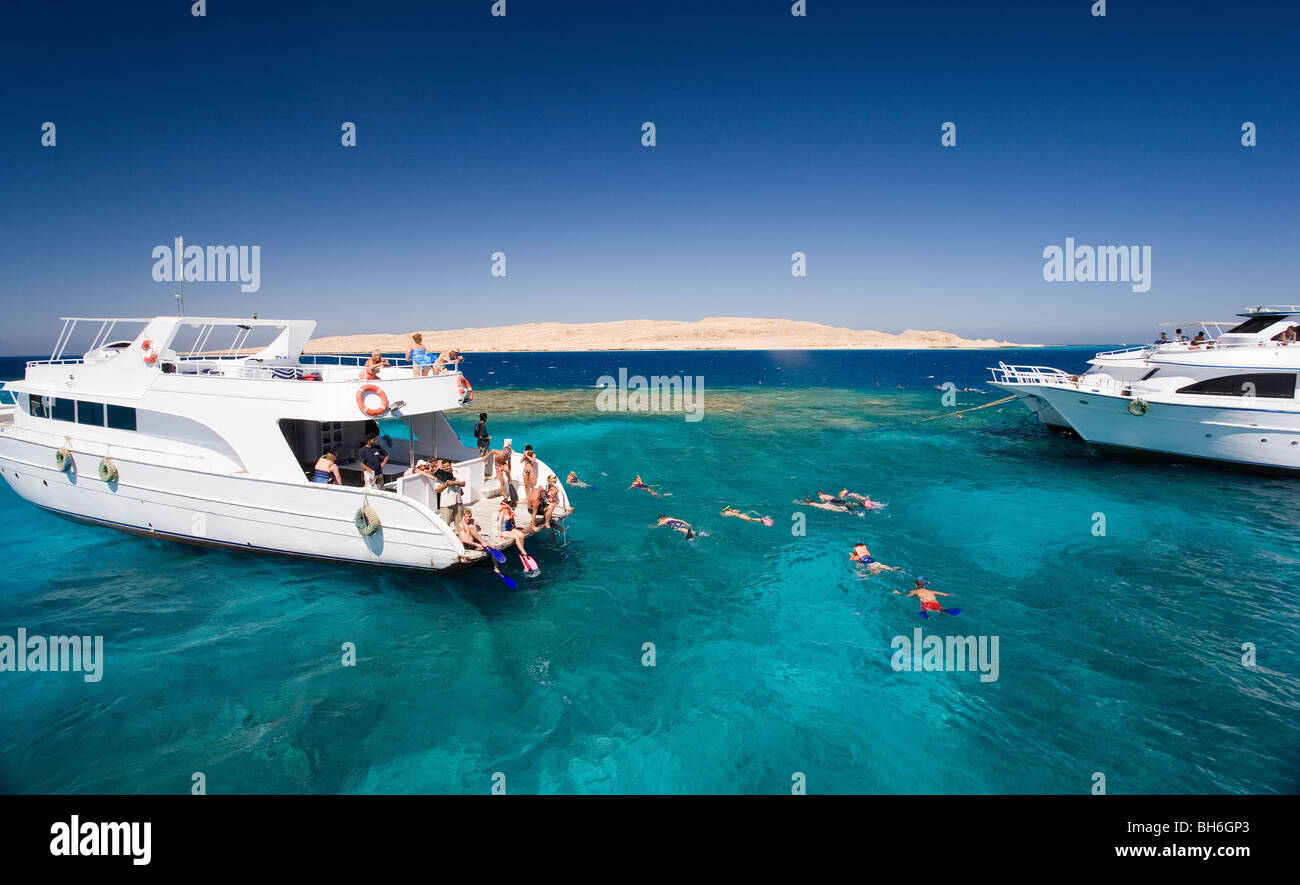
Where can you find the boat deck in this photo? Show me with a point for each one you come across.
(485, 515)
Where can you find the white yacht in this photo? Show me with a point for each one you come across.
(169, 434)
(1227, 395)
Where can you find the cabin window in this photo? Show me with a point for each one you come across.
(1274, 385)
(1150, 374)
(121, 417)
(64, 410)
(1255, 324)
(90, 413)
(36, 406)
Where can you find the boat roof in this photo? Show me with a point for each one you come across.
(1278, 310)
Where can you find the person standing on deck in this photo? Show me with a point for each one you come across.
(374, 458)
(450, 494)
(529, 466)
(484, 440)
(502, 460)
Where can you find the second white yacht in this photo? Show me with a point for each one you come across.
(1227, 395)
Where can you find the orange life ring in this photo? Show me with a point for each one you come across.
(149, 356)
(361, 400)
(466, 392)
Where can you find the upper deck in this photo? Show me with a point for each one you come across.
(1267, 339)
(173, 360)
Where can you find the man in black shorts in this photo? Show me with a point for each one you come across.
(484, 442)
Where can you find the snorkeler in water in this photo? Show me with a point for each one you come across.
(846, 495)
(639, 483)
(677, 525)
(862, 556)
(572, 479)
(833, 505)
(928, 601)
(748, 517)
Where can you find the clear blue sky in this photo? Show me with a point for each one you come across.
(775, 134)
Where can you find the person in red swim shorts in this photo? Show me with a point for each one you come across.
(928, 601)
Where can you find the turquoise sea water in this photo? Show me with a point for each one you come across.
(1119, 654)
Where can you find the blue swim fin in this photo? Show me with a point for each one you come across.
(953, 611)
(925, 616)
(496, 554)
(508, 581)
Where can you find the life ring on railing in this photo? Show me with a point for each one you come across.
(1138, 406)
(466, 392)
(63, 459)
(150, 357)
(361, 400)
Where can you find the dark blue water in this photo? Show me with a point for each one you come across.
(1119, 653)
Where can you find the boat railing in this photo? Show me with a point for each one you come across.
(350, 359)
(1142, 348)
(295, 371)
(59, 362)
(1053, 377)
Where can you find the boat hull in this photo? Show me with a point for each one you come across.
(231, 511)
(1252, 437)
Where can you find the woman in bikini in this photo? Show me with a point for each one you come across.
(529, 470)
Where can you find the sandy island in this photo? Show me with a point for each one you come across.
(713, 333)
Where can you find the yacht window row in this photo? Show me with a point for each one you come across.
(1274, 385)
(82, 412)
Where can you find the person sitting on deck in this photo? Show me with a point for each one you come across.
(550, 499)
(1198, 340)
(534, 502)
(421, 468)
(1163, 339)
(326, 471)
(507, 527)
(468, 533)
(370, 371)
